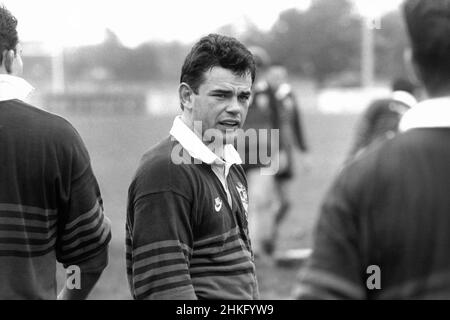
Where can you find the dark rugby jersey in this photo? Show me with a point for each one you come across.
(290, 119)
(50, 204)
(390, 208)
(184, 240)
(262, 115)
(291, 128)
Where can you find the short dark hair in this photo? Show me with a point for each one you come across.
(8, 32)
(428, 24)
(216, 50)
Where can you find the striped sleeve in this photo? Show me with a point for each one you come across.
(159, 240)
(83, 231)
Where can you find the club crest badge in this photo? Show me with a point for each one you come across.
(243, 195)
(217, 204)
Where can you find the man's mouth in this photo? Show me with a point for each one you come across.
(230, 124)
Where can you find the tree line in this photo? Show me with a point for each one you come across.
(322, 43)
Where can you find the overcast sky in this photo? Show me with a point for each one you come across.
(76, 22)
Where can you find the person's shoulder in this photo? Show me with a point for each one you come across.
(156, 161)
(389, 156)
(365, 164)
(415, 142)
(40, 122)
(160, 170)
(374, 153)
(36, 114)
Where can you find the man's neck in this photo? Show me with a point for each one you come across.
(217, 148)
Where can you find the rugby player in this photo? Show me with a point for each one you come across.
(381, 118)
(292, 137)
(50, 204)
(384, 227)
(187, 232)
(274, 107)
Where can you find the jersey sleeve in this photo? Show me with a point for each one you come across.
(159, 240)
(83, 229)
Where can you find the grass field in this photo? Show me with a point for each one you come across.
(116, 145)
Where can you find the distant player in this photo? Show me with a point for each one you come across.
(274, 106)
(381, 118)
(262, 117)
(291, 137)
(262, 113)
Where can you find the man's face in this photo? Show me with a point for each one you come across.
(222, 102)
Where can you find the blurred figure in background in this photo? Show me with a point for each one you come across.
(384, 227)
(273, 106)
(50, 203)
(381, 118)
(291, 137)
(262, 115)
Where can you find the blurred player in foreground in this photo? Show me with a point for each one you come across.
(50, 204)
(384, 227)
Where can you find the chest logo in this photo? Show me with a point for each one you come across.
(217, 204)
(243, 195)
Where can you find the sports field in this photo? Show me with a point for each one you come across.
(117, 143)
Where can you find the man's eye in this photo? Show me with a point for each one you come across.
(244, 98)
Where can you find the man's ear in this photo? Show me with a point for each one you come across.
(186, 95)
(412, 69)
(8, 60)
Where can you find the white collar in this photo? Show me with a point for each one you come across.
(12, 87)
(404, 97)
(432, 113)
(198, 150)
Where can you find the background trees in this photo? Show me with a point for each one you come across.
(322, 43)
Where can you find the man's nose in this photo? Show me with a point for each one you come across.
(234, 106)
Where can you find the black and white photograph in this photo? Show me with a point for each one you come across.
(245, 151)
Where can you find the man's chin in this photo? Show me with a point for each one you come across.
(226, 139)
(229, 137)
(221, 136)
